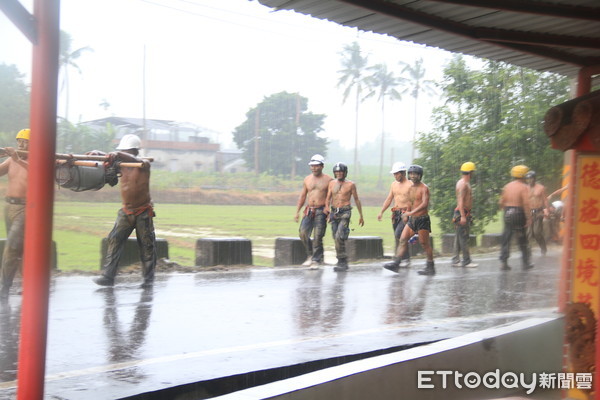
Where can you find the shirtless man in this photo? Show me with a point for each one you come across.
(17, 170)
(314, 193)
(399, 195)
(462, 217)
(538, 202)
(417, 222)
(136, 213)
(517, 216)
(337, 207)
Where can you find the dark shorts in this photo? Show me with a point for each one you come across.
(420, 223)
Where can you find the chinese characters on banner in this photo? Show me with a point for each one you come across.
(586, 257)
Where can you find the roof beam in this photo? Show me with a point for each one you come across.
(502, 35)
(501, 38)
(540, 8)
(21, 18)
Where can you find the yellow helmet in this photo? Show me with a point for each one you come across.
(467, 167)
(23, 134)
(519, 171)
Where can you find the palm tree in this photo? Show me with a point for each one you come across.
(67, 59)
(415, 85)
(352, 75)
(383, 83)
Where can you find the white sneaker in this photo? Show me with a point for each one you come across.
(404, 264)
(314, 265)
(471, 265)
(456, 264)
(307, 262)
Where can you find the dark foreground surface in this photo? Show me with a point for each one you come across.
(108, 343)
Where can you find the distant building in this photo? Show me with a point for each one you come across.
(175, 146)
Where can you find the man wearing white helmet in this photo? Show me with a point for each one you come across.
(137, 213)
(17, 169)
(314, 193)
(399, 195)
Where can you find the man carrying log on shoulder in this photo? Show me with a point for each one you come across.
(14, 211)
(136, 213)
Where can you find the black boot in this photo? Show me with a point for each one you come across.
(429, 269)
(393, 266)
(341, 266)
(104, 281)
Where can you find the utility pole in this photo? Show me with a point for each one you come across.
(256, 138)
(297, 133)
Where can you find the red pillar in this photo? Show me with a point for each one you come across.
(40, 201)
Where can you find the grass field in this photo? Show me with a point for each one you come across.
(80, 227)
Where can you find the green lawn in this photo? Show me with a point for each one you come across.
(80, 227)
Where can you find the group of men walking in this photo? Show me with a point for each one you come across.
(523, 202)
(325, 199)
(136, 214)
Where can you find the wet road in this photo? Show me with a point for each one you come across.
(106, 343)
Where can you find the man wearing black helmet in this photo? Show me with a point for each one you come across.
(538, 202)
(337, 206)
(418, 222)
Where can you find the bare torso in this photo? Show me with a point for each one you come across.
(537, 196)
(464, 195)
(341, 192)
(316, 189)
(17, 178)
(400, 192)
(419, 198)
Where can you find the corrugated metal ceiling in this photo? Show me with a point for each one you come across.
(559, 36)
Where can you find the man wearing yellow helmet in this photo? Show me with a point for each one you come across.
(462, 217)
(17, 169)
(517, 216)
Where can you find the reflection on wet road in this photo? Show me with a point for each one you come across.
(116, 342)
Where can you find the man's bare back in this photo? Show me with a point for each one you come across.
(515, 194)
(135, 186)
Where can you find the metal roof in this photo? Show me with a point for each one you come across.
(560, 36)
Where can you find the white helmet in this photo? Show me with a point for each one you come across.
(316, 160)
(398, 167)
(129, 142)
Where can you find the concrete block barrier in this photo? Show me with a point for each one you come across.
(289, 251)
(448, 242)
(53, 257)
(223, 251)
(364, 247)
(131, 253)
(491, 240)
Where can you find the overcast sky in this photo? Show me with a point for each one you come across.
(209, 61)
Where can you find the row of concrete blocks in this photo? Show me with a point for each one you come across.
(288, 250)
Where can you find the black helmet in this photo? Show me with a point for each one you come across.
(417, 169)
(340, 167)
(530, 174)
